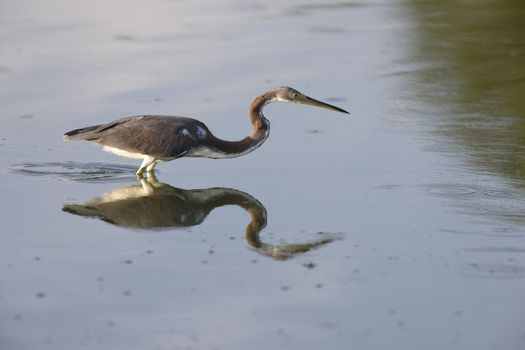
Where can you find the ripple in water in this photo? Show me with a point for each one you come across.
(494, 270)
(451, 189)
(75, 171)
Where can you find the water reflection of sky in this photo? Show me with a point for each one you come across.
(423, 180)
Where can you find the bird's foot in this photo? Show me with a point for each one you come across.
(140, 173)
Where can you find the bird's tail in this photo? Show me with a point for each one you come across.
(81, 210)
(81, 134)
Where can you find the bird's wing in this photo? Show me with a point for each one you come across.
(157, 136)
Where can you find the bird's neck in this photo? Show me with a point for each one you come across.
(259, 134)
(257, 119)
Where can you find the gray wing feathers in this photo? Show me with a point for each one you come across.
(91, 133)
(80, 134)
(158, 136)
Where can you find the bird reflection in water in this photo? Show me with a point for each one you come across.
(154, 205)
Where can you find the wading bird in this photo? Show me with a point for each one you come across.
(156, 139)
(154, 205)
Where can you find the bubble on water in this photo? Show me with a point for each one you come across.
(309, 265)
(124, 37)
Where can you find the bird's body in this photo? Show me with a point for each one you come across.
(163, 138)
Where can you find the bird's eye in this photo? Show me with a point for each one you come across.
(294, 95)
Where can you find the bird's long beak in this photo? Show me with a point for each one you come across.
(303, 99)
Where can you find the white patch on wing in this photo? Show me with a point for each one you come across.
(201, 133)
(186, 133)
(123, 153)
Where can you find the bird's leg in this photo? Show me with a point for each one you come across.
(146, 163)
(146, 186)
(151, 167)
(152, 179)
(149, 184)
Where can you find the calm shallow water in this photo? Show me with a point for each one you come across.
(400, 226)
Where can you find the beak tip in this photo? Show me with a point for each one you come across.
(311, 101)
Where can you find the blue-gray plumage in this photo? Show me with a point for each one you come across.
(159, 136)
(162, 138)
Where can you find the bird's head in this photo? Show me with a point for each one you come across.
(288, 94)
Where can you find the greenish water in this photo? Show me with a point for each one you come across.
(468, 86)
(400, 226)
(474, 79)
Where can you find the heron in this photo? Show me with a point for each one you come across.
(153, 205)
(160, 138)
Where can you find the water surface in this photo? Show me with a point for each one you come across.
(400, 226)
